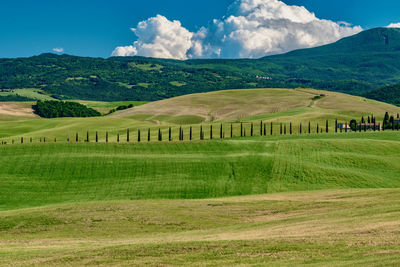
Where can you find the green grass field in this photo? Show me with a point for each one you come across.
(42, 174)
(32, 93)
(106, 204)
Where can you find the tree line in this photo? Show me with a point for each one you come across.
(219, 131)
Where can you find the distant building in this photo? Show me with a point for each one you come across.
(368, 126)
(343, 126)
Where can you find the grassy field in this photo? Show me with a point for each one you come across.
(322, 228)
(150, 204)
(42, 174)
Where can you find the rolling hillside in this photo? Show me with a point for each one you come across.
(270, 105)
(354, 65)
(267, 104)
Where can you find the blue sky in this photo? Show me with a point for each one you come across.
(95, 27)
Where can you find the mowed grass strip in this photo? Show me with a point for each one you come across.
(322, 228)
(43, 174)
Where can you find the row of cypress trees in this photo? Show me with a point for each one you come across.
(284, 129)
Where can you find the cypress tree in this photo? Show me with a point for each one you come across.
(12, 141)
(285, 128)
(87, 136)
(106, 137)
(148, 136)
(201, 133)
(391, 121)
(117, 137)
(180, 133)
(301, 128)
(252, 130)
(211, 132)
(327, 126)
(31, 139)
(265, 129)
(336, 126)
(77, 138)
(374, 126)
(241, 129)
(127, 135)
(191, 133)
(221, 132)
(309, 127)
(291, 130)
(97, 137)
(170, 134)
(231, 130)
(182, 138)
(138, 135)
(281, 129)
(272, 128)
(385, 120)
(317, 128)
(261, 128)
(55, 139)
(159, 135)
(22, 140)
(44, 140)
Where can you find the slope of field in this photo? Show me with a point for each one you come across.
(16, 111)
(323, 228)
(42, 174)
(278, 104)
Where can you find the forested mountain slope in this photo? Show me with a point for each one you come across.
(353, 65)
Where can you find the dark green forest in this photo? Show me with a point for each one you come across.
(58, 109)
(355, 65)
(389, 94)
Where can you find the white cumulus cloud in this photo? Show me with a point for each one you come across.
(58, 49)
(394, 25)
(249, 29)
(158, 37)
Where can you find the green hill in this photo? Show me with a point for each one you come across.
(354, 65)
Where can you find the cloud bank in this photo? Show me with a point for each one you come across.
(394, 25)
(58, 49)
(249, 29)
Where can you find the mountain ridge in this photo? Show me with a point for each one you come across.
(355, 65)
